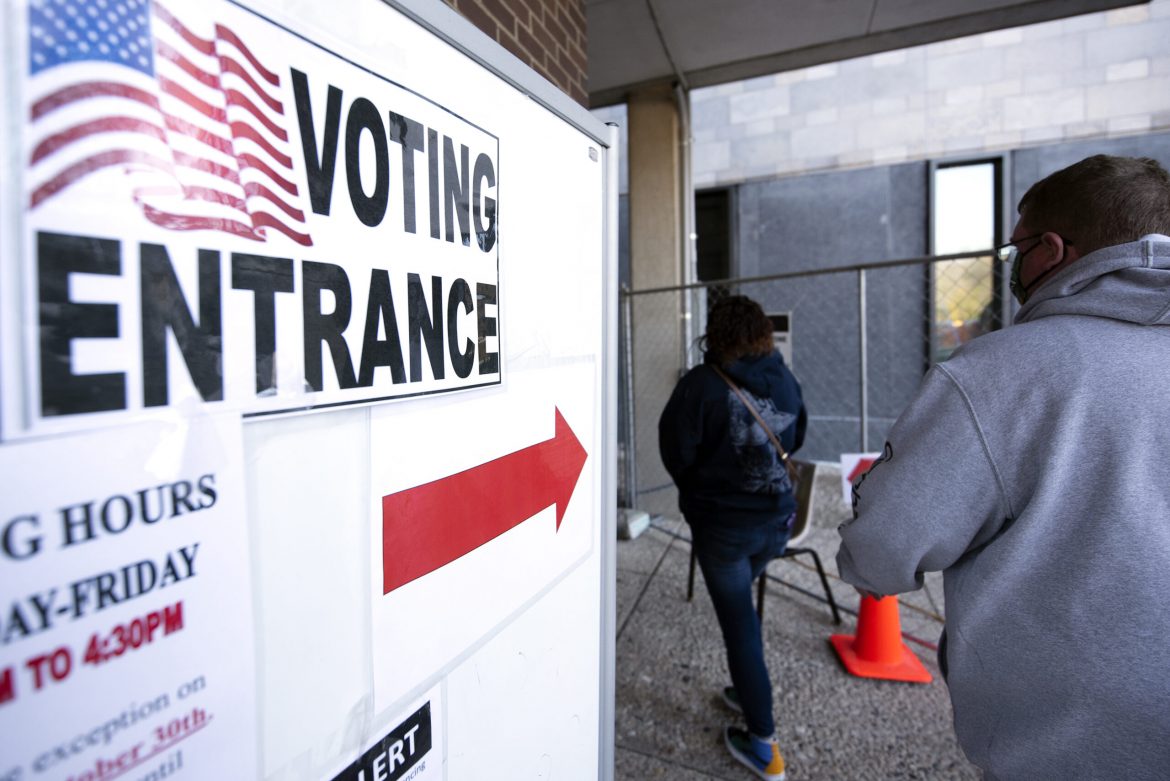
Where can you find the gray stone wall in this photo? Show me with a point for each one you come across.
(1033, 164)
(1099, 75)
(828, 220)
(832, 220)
(829, 167)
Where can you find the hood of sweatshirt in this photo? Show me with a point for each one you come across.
(1127, 282)
(763, 375)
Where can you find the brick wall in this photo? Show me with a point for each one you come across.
(547, 35)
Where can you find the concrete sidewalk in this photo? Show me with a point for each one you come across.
(832, 726)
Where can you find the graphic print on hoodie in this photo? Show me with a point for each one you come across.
(763, 473)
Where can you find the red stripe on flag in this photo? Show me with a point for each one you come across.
(191, 222)
(175, 90)
(206, 166)
(257, 190)
(60, 140)
(195, 42)
(211, 195)
(169, 53)
(251, 161)
(228, 65)
(91, 89)
(237, 98)
(223, 33)
(265, 220)
(244, 130)
(191, 130)
(94, 163)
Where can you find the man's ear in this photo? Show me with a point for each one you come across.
(1057, 252)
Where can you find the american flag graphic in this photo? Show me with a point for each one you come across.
(191, 116)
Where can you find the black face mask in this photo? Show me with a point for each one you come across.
(1018, 288)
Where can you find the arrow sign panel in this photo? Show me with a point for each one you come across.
(431, 525)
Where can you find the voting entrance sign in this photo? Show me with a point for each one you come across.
(306, 398)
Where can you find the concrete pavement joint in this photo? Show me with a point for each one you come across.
(667, 761)
(645, 587)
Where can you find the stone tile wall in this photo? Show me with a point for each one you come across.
(1093, 76)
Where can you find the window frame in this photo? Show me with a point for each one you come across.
(1002, 223)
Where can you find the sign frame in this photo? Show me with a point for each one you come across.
(449, 27)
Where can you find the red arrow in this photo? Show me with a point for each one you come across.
(431, 525)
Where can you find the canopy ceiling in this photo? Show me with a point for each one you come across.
(699, 43)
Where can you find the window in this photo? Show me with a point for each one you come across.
(713, 226)
(966, 296)
(713, 246)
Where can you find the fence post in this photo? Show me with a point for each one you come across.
(864, 360)
(631, 465)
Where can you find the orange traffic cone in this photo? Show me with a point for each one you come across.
(877, 651)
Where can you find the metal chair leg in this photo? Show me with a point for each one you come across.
(824, 579)
(760, 587)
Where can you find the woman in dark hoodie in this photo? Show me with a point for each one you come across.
(735, 494)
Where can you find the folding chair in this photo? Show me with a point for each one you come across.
(800, 530)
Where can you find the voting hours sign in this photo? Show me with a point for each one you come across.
(305, 397)
(126, 640)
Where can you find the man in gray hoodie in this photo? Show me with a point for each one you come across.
(1033, 469)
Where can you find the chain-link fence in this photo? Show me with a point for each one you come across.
(858, 338)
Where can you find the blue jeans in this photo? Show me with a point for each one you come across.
(731, 559)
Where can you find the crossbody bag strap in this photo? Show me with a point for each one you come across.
(752, 409)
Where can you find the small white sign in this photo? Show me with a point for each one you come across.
(410, 747)
(853, 465)
(126, 637)
(782, 335)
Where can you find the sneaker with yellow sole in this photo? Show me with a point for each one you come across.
(761, 756)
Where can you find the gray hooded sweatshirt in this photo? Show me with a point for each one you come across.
(1033, 469)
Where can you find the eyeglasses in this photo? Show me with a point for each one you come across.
(1007, 252)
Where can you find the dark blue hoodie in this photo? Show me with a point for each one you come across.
(725, 466)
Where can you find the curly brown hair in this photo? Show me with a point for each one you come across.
(737, 327)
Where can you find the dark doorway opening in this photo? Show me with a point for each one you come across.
(713, 226)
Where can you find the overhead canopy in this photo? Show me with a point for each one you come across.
(699, 43)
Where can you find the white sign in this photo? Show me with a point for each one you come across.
(221, 213)
(410, 749)
(126, 621)
(465, 547)
(853, 466)
(782, 335)
(213, 216)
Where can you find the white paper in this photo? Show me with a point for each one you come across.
(126, 635)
